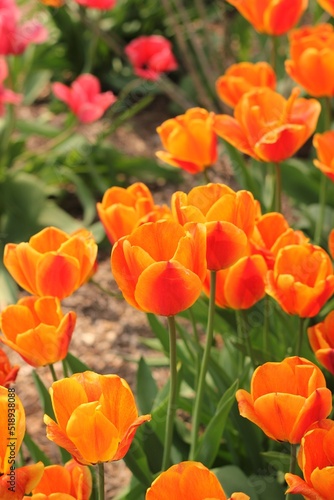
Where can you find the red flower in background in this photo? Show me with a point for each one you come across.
(84, 97)
(97, 4)
(150, 56)
(6, 95)
(8, 372)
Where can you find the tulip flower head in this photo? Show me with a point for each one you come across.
(98, 4)
(327, 5)
(52, 262)
(321, 338)
(316, 460)
(268, 127)
(324, 145)
(189, 481)
(84, 98)
(286, 398)
(243, 77)
(302, 279)
(96, 417)
(8, 373)
(151, 56)
(160, 266)
(189, 140)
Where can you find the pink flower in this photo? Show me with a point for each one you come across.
(84, 97)
(6, 95)
(97, 4)
(151, 56)
(14, 38)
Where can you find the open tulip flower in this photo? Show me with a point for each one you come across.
(96, 417)
(286, 398)
(327, 5)
(52, 262)
(316, 460)
(122, 210)
(190, 140)
(324, 145)
(321, 338)
(151, 56)
(273, 17)
(302, 279)
(37, 329)
(84, 97)
(189, 481)
(243, 77)
(72, 481)
(161, 266)
(268, 127)
(312, 52)
(8, 373)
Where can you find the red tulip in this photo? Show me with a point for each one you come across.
(8, 372)
(97, 4)
(321, 337)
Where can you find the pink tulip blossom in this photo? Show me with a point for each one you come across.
(84, 97)
(6, 95)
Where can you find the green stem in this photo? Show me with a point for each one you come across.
(53, 372)
(172, 393)
(293, 465)
(322, 207)
(266, 325)
(65, 370)
(206, 176)
(204, 367)
(278, 188)
(100, 468)
(245, 335)
(273, 55)
(300, 337)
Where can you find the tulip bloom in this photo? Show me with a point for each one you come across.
(84, 98)
(271, 233)
(241, 285)
(312, 52)
(96, 417)
(151, 56)
(321, 338)
(273, 17)
(72, 481)
(97, 4)
(327, 5)
(52, 262)
(38, 330)
(122, 210)
(324, 145)
(302, 279)
(229, 217)
(189, 481)
(268, 127)
(161, 266)
(331, 243)
(316, 460)
(6, 95)
(8, 373)
(243, 77)
(286, 398)
(190, 141)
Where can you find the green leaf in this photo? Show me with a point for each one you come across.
(136, 461)
(84, 195)
(211, 440)
(146, 387)
(44, 395)
(52, 215)
(37, 127)
(8, 288)
(279, 460)
(233, 479)
(34, 84)
(133, 492)
(75, 364)
(34, 450)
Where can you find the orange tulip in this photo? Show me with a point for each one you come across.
(286, 398)
(53, 262)
(69, 482)
(271, 233)
(229, 217)
(53, 3)
(8, 372)
(268, 127)
(273, 17)
(96, 417)
(302, 279)
(241, 285)
(311, 63)
(327, 5)
(189, 481)
(316, 460)
(324, 145)
(37, 329)
(243, 77)
(122, 210)
(190, 141)
(331, 243)
(22, 482)
(321, 338)
(160, 267)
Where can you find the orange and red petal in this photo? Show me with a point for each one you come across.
(231, 131)
(226, 243)
(317, 407)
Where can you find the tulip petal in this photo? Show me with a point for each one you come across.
(230, 130)
(127, 439)
(59, 437)
(57, 275)
(323, 482)
(226, 244)
(298, 486)
(66, 395)
(317, 407)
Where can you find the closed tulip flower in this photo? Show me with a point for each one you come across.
(96, 417)
(52, 262)
(160, 267)
(324, 145)
(316, 460)
(286, 398)
(273, 17)
(8, 373)
(327, 5)
(302, 279)
(189, 481)
(321, 338)
(312, 52)
(37, 329)
(268, 127)
(122, 210)
(190, 141)
(243, 77)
